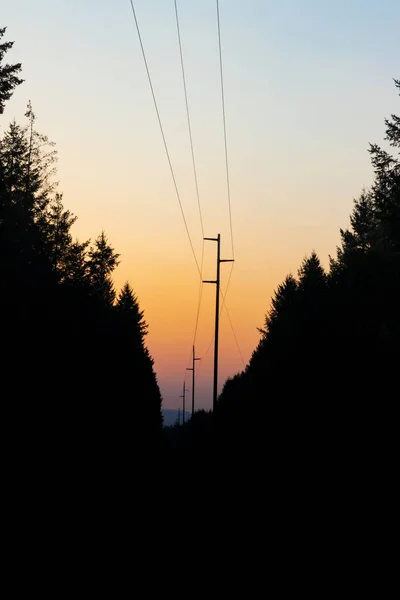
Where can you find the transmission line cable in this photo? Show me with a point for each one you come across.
(209, 348)
(200, 293)
(231, 324)
(226, 148)
(224, 123)
(226, 289)
(202, 362)
(233, 332)
(163, 135)
(188, 116)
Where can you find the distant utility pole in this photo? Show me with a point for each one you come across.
(183, 402)
(193, 375)
(179, 415)
(217, 283)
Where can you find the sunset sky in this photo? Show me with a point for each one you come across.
(308, 84)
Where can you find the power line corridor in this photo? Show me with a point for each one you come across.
(199, 263)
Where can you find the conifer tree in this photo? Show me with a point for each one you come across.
(56, 224)
(84, 372)
(75, 267)
(128, 306)
(9, 79)
(102, 262)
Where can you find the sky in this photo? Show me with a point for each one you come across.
(308, 84)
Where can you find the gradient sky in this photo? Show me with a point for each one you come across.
(308, 84)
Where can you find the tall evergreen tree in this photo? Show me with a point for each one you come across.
(24, 199)
(82, 381)
(128, 306)
(9, 79)
(323, 374)
(27, 158)
(41, 158)
(75, 267)
(102, 261)
(56, 224)
(386, 187)
(282, 304)
(136, 357)
(13, 156)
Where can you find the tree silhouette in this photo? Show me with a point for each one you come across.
(75, 265)
(325, 367)
(56, 227)
(128, 306)
(9, 79)
(102, 262)
(81, 383)
(22, 207)
(137, 382)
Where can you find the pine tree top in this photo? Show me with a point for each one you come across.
(9, 79)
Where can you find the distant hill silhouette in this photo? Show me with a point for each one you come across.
(171, 416)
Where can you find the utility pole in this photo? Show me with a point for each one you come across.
(183, 402)
(193, 372)
(217, 282)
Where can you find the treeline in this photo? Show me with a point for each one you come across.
(324, 378)
(76, 371)
(326, 369)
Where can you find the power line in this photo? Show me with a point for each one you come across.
(233, 332)
(188, 117)
(224, 122)
(209, 347)
(199, 268)
(226, 152)
(200, 293)
(205, 355)
(197, 320)
(163, 136)
(227, 287)
(198, 311)
(231, 324)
